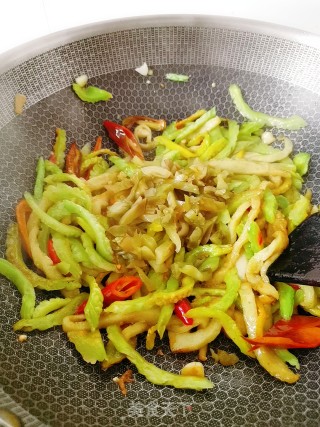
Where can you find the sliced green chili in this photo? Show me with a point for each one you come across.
(286, 300)
(61, 191)
(228, 324)
(62, 248)
(233, 130)
(196, 125)
(210, 250)
(123, 165)
(67, 207)
(40, 174)
(167, 310)
(154, 374)
(93, 308)
(94, 258)
(91, 94)
(233, 284)
(290, 123)
(269, 206)
(51, 168)
(59, 147)
(14, 255)
(89, 344)
(287, 357)
(177, 77)
(301, 161)
(67, 177)
(47, 306)
(12, 273)
(255, 237)
(52, 319)
(66, 230)
(157, 298)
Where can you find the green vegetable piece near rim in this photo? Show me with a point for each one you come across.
(289, 123)
(177, 77)
(91, 94)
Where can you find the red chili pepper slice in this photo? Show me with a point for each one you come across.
(124, 138)
(118, 290)
(294, 286)
(81, 307)
(298, 332)
(156, 124)
(73, 160)
(121, 289)
(52, 158)
(181, 308)
(52, 253)
(23, 211)
(97, 147)
(296, 322)
(98, 144)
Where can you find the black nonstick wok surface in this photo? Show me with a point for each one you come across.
(44, 380)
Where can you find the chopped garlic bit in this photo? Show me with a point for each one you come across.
(150, 72)
(194, 369)
(267, 137)
(19, 103)
(213, 84)
(143, 69)
(22, 338)
(241, 266)
(226, 359)
(82, 80)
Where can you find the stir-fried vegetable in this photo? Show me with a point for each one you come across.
(181, 309)
(52, 253)
(299, 332)
(118, 290)
(124, 138)
(150, 371)
(178, 244)
(177, 77)
(121, 289)
(286, 300)
(22, 213)
(59, 148)
(73, 160)
(91, 94)
(23, 285)
(290, 123)
(154, 124)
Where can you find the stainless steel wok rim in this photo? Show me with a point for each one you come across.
(26, 51)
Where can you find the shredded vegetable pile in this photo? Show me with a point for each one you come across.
(177, 246)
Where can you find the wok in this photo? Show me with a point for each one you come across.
(43, 380)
